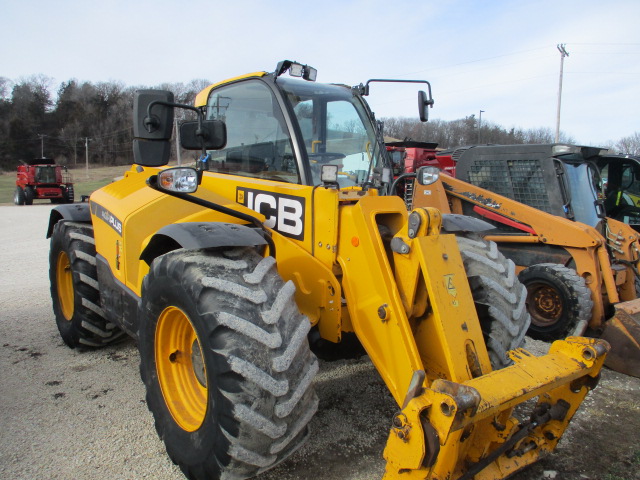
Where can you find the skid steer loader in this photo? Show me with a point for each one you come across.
(223, 272)
(577, 280)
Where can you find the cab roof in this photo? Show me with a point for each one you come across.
(203, 96)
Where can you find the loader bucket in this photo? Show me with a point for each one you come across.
(623, 333)
(494, 425)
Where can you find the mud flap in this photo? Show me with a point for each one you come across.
(623, 333)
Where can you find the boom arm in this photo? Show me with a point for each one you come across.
(455, 419)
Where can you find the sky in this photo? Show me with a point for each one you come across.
(498, 56)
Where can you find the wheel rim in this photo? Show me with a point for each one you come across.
(181, 370)
(545, 305)
(64, 282)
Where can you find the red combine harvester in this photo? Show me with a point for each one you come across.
(42, 179)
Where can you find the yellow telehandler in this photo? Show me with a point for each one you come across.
(222, 271)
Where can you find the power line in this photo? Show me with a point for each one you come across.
(475, 61)
(600, 43)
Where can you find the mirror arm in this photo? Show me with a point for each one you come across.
(151, 122)
(384, 80)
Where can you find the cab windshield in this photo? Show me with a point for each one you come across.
(335, 130)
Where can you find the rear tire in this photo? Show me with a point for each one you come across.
(18, 196)
(557, 299)
(74, 288)
(498, 296)
(226, 362)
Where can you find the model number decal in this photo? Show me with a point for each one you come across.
(108, 217)
(284, 213)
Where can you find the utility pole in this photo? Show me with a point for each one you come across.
(86, 155)
(480, 124)
(563, 53)
(42, 144)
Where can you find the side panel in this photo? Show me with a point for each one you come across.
(130, 217)
(127, 214)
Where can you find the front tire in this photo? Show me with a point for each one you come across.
(74, 288)
(498, 296)
(557, 299)
(226, 362)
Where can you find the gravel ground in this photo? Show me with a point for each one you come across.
(70, 414)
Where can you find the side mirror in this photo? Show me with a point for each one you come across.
(212, 135)
(152, 127)
(155, 123)
(424, 103)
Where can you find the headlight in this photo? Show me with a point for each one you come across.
(329, 173)
(428, 175)
(181, 180)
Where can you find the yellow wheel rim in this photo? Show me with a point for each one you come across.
(181, 371)
(64, 281)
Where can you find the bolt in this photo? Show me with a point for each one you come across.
(404, 249)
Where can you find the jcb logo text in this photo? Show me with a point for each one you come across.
(284, 213)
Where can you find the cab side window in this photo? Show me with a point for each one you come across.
(258, 142)
(631, 179)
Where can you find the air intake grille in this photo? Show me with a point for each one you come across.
(520, 180)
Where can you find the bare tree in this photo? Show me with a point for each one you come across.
(5, 87)
(456, 133)
(629, 145)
